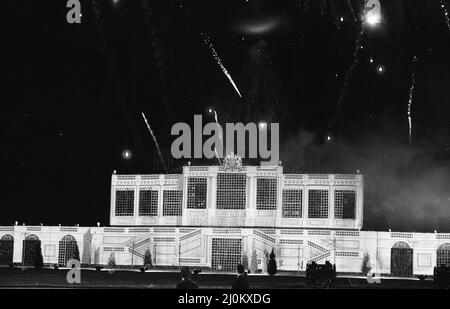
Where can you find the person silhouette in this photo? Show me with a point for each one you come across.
(241, 281)
(186, 281)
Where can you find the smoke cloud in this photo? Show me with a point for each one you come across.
(406, 186)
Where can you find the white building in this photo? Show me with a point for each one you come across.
(211, 216)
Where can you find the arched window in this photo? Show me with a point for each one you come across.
(443, 255)
(31, 245)
(401, 260)
(401, 245)
(32, 237)
(6, 249)
(68, 249)
(7, 237)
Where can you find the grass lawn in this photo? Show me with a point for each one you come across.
(50, 278)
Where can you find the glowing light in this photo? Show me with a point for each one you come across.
(342, 19)
(262, 125)
(373, 19)
(126, 154)
(371, 60)
(381, 69)
(372, 14)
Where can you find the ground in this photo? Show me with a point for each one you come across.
(90, 278)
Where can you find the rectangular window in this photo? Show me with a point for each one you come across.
(226, 253)
(292, 204)
(172, 202)
(196, 193)
(124, 202)
(344, 204)
(318, 204)
(148, 203)
(266, 193)
(231, 191)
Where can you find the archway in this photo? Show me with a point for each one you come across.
(31, 245)
(68, 249)
(401, 260)
(443, 255)
(6, 249)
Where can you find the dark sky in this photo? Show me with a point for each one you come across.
(75, 92)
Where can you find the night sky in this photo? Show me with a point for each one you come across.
(74, 94)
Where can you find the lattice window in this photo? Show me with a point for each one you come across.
(401, 260)
(231, 191)
(291, 241)
(196, 193)
(226, 253)
(6, 249)
(443, 255)
(292, 204)
(318, 204)
(172, 202)
(124, 202)
(31, 245)
(67, 250)
(148, 202)
(344, 204)
(266, 194)
(347, 254)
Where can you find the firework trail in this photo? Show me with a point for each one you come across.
(348, 76)
(220, 136)
(219, 62)
(218, 126)
(410, 100)
(156, 142)
(349, 3)
(217, 156)
(447, 18)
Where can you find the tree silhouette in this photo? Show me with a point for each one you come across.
(365, 267)
(76, 253)
(148, 259)
(272, 264)
(245, 261)
(112, 261)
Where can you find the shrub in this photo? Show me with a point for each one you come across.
(365, 267)
(245, 261)
(148, 259)
(112, 261)
(253, 262)
(76, 253)
(272, 264)
(265, 259)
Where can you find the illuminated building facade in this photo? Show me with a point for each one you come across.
(213, 216)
